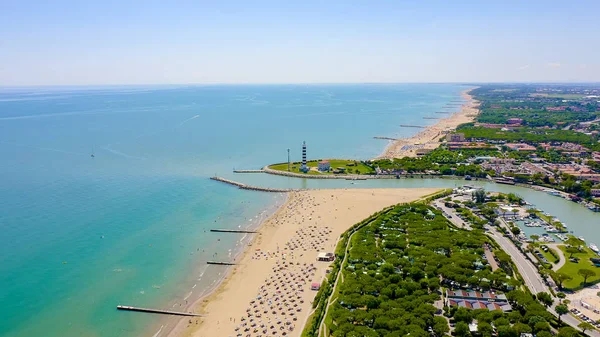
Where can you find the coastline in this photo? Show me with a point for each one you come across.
(174, 330)
(330, 212)
(429, 138)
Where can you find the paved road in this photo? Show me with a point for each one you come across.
(561, 255)
(529, 272)
(532, 279)
(490, 257)
(458, 222)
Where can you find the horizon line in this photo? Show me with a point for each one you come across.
(288, 83)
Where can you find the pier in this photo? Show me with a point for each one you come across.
(412, 126)
(253, 188)
(221, 263)
(248, 171)
(157, 311)
(233, 231)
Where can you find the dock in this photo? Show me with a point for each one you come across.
(157, 311)
(248, 171)
(233, 231)
(412, 126)
(253, 188)
(218, 263)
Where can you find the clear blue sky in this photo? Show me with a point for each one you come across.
(67, 42)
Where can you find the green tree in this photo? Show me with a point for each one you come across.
(462, 329)
(515, 230)
(571, 251)
(463, 315)
(479, 196)
(567, 331)
(586, 273)
(560, 278)
(440, 326)
(535, 237)
(561, 295)
(573, 241)
(585, 326)
(561, 309)
(545, 298)
(485, 329)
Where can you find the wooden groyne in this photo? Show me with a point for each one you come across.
(443, 112)
(248, 171)
(384, 138)
(232, 231)
(412, 126)
(431, 118)
(253, 188)
(218, 263)
(157, 311)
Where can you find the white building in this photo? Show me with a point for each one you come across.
(324, 165)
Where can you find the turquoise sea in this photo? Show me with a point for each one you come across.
(81, 234)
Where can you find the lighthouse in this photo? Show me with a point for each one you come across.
(304, 168)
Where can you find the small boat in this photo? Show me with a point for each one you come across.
(594, 248)
(581, 238)
(468, 177)
(594, 208)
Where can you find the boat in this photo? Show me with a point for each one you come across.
(468, 177)
(594, 208)
(594, 248)
(581, 238)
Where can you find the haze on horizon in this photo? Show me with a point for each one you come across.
(69, 42)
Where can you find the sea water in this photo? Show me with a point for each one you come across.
(105, 197)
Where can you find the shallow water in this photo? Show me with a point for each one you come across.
(80, 235)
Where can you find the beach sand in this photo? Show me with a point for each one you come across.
(429, 138)
(270, 288)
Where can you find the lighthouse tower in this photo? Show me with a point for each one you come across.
(304, 168)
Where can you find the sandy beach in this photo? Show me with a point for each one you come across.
(429, 138)
(269, 291)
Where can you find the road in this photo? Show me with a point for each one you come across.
(531, 277)
(561, 255)
(529, 272)
(451, 215)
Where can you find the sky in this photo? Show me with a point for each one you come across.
(80, 42)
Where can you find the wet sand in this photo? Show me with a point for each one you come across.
(269, 291)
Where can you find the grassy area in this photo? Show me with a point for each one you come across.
(350, 166)
(571, 268)
(547, 254)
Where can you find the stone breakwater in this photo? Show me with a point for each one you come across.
(254, 188)
(268, 170)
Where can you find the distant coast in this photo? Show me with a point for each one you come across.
(429, 138)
